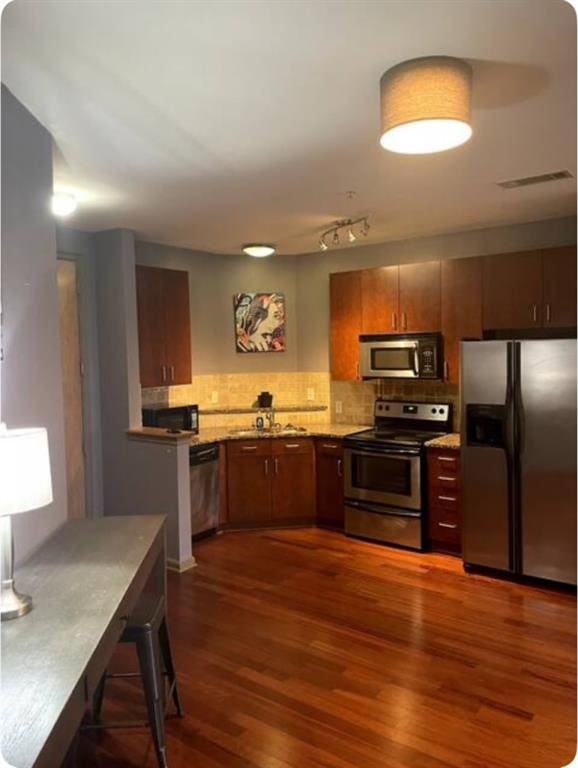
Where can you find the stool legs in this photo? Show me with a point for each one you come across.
(152, 682)
(165, 647)
(98, 699)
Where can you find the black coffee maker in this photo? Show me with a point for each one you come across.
(265, 400)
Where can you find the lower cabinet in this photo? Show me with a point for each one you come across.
(329, 461)
(444, 507)
(270, 482)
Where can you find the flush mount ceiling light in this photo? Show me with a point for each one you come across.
(63, 204)
(344, 224)
(259, 251)
(425, 105)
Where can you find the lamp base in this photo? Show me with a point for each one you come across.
(12, 603)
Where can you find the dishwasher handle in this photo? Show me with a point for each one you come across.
(203, 454)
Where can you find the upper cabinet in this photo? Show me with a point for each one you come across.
(532, 289)
(401, 299)
(164, 326)
(345, 308)
(559, 297)
(512, 290)
(380, 300)
(420, 297)
(461, 309)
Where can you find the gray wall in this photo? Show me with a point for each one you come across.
(31, 389)
(213, 279)
(80, 246)
(118, 359)
(313, 270)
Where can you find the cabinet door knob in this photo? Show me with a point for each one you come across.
(394, 320)
(172, 370)
(276, 466)
(535, 313)
(446, 370)
(548, 313)
(404, 321)
(339, 468)
(448, 525)
(266, 466)
(164, 372)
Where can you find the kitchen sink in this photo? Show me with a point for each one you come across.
(279, 432)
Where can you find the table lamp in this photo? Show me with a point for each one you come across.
(25, 484)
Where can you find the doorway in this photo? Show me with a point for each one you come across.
(72, 374)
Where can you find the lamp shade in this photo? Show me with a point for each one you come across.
(425, 105)
(25, 479)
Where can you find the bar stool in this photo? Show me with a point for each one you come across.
(147, 629)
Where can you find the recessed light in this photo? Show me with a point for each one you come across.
(63, 204)
(259, 251)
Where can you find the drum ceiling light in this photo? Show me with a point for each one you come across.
(259, 251)
(425, 105)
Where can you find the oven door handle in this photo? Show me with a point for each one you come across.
(381, 510)
(392, 452)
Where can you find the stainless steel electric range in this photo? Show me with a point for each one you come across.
(385, 494)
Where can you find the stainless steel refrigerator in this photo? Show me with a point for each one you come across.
(518, 456)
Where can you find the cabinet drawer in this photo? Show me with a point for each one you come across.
(446, 482)
(447, 532)
(447, 463)
(442, 500)
(260, 447)
(283, 445)
(329, 447)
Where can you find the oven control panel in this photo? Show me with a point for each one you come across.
(395, 409)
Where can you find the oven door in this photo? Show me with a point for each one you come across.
(389, 477)
(390, 359)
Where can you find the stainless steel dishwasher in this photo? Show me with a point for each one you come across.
(204, 483)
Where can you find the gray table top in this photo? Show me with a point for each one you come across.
(78, 580)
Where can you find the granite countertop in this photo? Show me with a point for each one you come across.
(451, 441)
(220, 434)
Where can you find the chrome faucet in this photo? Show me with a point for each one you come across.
(270, 416)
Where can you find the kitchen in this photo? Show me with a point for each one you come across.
(312, 388)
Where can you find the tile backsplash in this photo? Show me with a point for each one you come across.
(240, 390)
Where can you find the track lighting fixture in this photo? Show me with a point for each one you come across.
(348, 225)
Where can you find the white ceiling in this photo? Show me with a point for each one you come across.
(211, 124)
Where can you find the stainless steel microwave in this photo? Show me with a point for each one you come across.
(395, 356)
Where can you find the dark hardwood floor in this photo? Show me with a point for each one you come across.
(305, 649)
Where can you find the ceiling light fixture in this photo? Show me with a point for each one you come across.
(425, 105)
(259, 251)
(347, 225)
(63, 204)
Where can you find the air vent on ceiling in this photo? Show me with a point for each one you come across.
(527, 180)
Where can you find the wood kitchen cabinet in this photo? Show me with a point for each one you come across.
(345, 309)
(401, 299)
(380, 300)
(164, 326)
(420, 297)
(293, 480)
(559, 281)
(270, 482)
(530, 289)
(512, 290)
(249, 490)
(461, 309)
(444, 497)
(329, 470)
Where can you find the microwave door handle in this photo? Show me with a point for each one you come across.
(416, 360)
